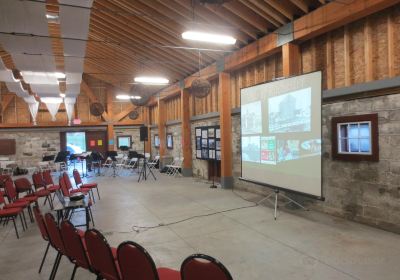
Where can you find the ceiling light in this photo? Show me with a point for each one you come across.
(62, 95)
(123, 97)
(51, 100)
(209, 37)
(52, 17)
(136, 97)
(152, 80)
(59, 75)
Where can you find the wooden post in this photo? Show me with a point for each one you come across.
(291, 59)
(369, 74)
(186, 137)
(110, 126)
(161, 127)
(224, 100)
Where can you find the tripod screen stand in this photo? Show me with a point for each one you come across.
(143, 172)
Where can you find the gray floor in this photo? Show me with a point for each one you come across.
(299, 245)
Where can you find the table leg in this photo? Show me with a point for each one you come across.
(87, 217)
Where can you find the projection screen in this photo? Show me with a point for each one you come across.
(281, 134)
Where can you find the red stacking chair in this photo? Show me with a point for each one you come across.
(74, 246)
(102, 257)
(80, 184)
(13, 197)
(55, 241)
(71, 190)
(41, 188)
(136, 263)
(48, 180)
(200, 267)
(66, 193)
(43, 231)
(11, 214)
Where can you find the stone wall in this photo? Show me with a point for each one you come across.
(31, 146)
(200, 167)
(154, 150)
(367, 192)
(177, 139)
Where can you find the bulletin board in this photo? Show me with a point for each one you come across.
(208, 142)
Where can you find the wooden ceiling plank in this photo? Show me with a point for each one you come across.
(262, 13)
(234, 20)
(207, 17)
(248, 15)
(277, 5)
(261, 5)
(301, 5)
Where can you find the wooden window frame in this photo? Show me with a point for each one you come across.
(373, 119)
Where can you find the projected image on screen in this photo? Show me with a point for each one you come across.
(281, 133)
(251, 149)
(251, 118)
(290, 112)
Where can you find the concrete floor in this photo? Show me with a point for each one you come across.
(299, 245)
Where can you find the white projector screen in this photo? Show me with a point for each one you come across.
(281, 134)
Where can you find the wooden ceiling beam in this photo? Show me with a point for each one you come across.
(261, 5)
(284, 10)
(92, 97)
(234, 20)
(262, 13)
(124, 113)
(185, 9)
(249, 16)
(301, 5)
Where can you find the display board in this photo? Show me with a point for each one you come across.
(208, 142)
(281, 134)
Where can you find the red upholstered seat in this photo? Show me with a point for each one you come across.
(20, 204)
(53, 188)
(136, 263)
(89, 185)
(200, 267)
(10, 212)
(80, 184)
(30, 199)
(42, 193)
(48, 180)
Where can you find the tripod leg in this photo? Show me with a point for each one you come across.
(295, 202)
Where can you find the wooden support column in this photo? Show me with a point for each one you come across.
(161, 127)
(146, 120)
(110, 126)
(291, 59)
(330, 74)
(224, 99)
(186, 137)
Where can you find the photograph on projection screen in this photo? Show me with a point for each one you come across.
(281, 133)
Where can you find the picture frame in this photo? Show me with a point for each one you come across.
(156, 141)
(211, 132)
(204, 143)
(218, 145)
(218, 133)
(198, 143)
(170, 141)
(198, 132)
(124, 140)
(204, 153)
(211, 143)
(204, 133)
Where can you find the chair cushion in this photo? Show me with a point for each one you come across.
(84, 191)
(21, 204)
(53, 188)
(42, 193)
(89, 186)
(29, 199)
(168, 274)
(10, 212)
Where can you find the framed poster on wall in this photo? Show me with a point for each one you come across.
(208, 143)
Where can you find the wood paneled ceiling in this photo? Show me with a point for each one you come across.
(129, 38)
(141, 37)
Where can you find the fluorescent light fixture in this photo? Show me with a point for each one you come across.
(62, 95)
(123, 97)
(127, 97)
(209, 37)
(57, 75)
(152, 80)
(53, 17)
(51, 100)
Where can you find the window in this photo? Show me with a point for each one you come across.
(355, 137)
